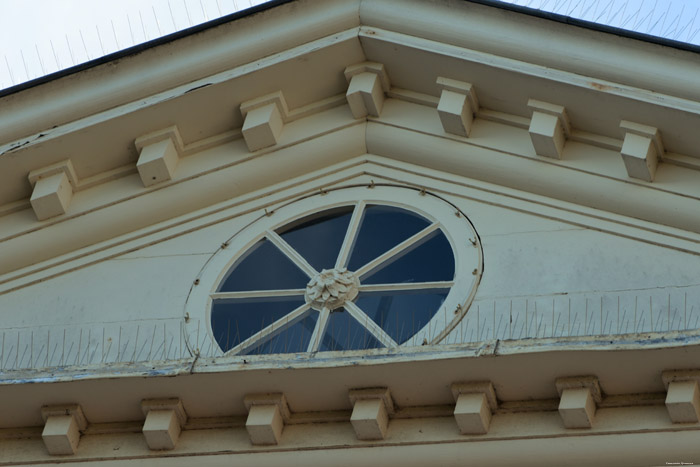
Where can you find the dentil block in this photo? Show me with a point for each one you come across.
(369, 419)
(53, 189)
(577, 407)
(267, 414)
(164, 421)
(457, 106)
(473, 414)
(159, 155)
(161, 430)
(370, 414)
(683, 401)
(641, 150)
(62, 428)
(264, 424)
(264, 119)
(549, 128)
(367, 84)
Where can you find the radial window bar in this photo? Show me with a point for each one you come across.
(363, 319)
(396, 252)
(271, 330)
(350, 235)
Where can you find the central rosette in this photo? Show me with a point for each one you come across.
(331, 288)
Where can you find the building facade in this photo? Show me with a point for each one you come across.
(369, 231)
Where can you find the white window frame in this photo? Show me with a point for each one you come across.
(455, 225)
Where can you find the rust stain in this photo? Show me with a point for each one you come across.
(600, 87)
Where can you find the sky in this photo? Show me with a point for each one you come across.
(38, 37)
(673, 19)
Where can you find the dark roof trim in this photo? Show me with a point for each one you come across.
(138, 48)
(590, 25)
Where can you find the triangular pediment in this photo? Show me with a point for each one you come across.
(96, 148)
(145, 201)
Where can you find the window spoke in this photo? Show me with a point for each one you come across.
(291, 253)
(319, 237)
(406, 286)
(403, 313)
(258, 294)
(370, 325)
(350, 236)
(316, 337)
(273, 328)
(398, 249)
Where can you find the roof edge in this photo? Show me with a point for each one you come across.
(138, 48)
(570, 20)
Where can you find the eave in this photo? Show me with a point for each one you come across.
(102, 110)
(212, 391)
(98, 114)
(200, 88)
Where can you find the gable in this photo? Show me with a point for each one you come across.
(571, 182)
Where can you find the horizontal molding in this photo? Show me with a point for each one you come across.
(183, 62)
(394, 171)
(539, 41)
(412, 441)
(116, 248)
(223, 157)
(547, 179)
(207, 108)
(505, 84)
(195, 380)
(137, 208)
(146, 107)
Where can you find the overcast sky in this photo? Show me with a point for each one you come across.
(38, 37)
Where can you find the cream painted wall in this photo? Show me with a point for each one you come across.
(542, 278)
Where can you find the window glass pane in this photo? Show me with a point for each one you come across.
(429, 260)
(318, 238)
(343, 332)
(292, 339)
(264, 267)
(382, 228)
(402, 313)
(235, 320)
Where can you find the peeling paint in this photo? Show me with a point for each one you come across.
(600, 86)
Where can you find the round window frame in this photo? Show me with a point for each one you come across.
(454, 224)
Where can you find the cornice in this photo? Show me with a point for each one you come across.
(406, 133)
(539, 41)
(525, 380)
(206, 112)
(172, 64)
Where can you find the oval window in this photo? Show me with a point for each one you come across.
(354, 275)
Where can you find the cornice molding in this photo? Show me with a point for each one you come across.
(589, 174)
(205, 386)
(307, 145)
(170, 65)
(199, 89)
(535, 40)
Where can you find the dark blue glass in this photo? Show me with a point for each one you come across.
(430, 260)
(402, 313)
(292, 339)
(318, 238)
(382, 228)
(343, 332)
(235, 320)
(264, 267)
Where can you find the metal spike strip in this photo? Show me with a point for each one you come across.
(108, 35)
